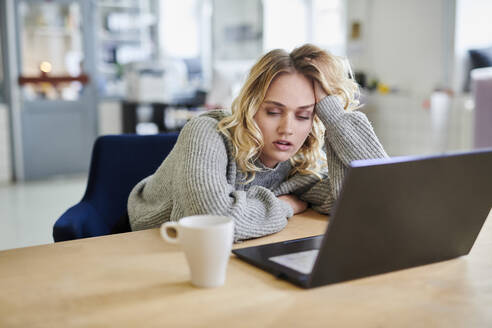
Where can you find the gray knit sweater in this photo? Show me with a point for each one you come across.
(200, 176)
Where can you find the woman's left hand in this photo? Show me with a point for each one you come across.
(297, 205)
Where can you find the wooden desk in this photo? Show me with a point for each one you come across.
(136, 279)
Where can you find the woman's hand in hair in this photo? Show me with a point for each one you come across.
(319, 93)
(297, 205)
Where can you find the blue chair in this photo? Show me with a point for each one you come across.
(118, 163)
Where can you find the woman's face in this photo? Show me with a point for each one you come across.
(285, 117)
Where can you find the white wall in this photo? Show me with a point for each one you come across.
(406, 44)
(409, 45)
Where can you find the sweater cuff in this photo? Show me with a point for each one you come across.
(287, 210)
(328, 109)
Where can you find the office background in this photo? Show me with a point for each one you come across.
(120, 57)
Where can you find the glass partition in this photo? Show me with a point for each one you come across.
(51, 47)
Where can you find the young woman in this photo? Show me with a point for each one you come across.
(264, 162)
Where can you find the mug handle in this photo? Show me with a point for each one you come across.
(166, 227)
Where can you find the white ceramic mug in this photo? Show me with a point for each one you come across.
(207, 242)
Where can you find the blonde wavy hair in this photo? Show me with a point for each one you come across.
(332, 74)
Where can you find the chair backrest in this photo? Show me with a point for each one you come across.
(118, 163)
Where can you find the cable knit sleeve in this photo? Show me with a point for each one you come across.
(349, 136)
(206, 188)
(201, 179)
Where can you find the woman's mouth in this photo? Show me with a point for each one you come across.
(282, 144)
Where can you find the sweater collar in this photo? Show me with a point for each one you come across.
(264, 168)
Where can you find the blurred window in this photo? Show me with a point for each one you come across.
(320, 22)
(329, 25)
(472, 25)
(472, 31)
(285, 24)
(180, 21)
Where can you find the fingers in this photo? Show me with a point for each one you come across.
(297, 205)
(319, 92)
(301, 206)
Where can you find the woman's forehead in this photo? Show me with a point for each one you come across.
(291, 89)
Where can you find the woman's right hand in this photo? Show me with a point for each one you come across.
(297, 205)
(319, 93)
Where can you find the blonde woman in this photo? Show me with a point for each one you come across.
(286, 145)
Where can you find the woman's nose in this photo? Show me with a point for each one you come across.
(286, 125)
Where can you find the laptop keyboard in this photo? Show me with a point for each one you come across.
(300, 261)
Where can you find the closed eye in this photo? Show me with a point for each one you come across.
(304, 115)
(273, 111)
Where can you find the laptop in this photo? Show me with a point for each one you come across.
(391, 214)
